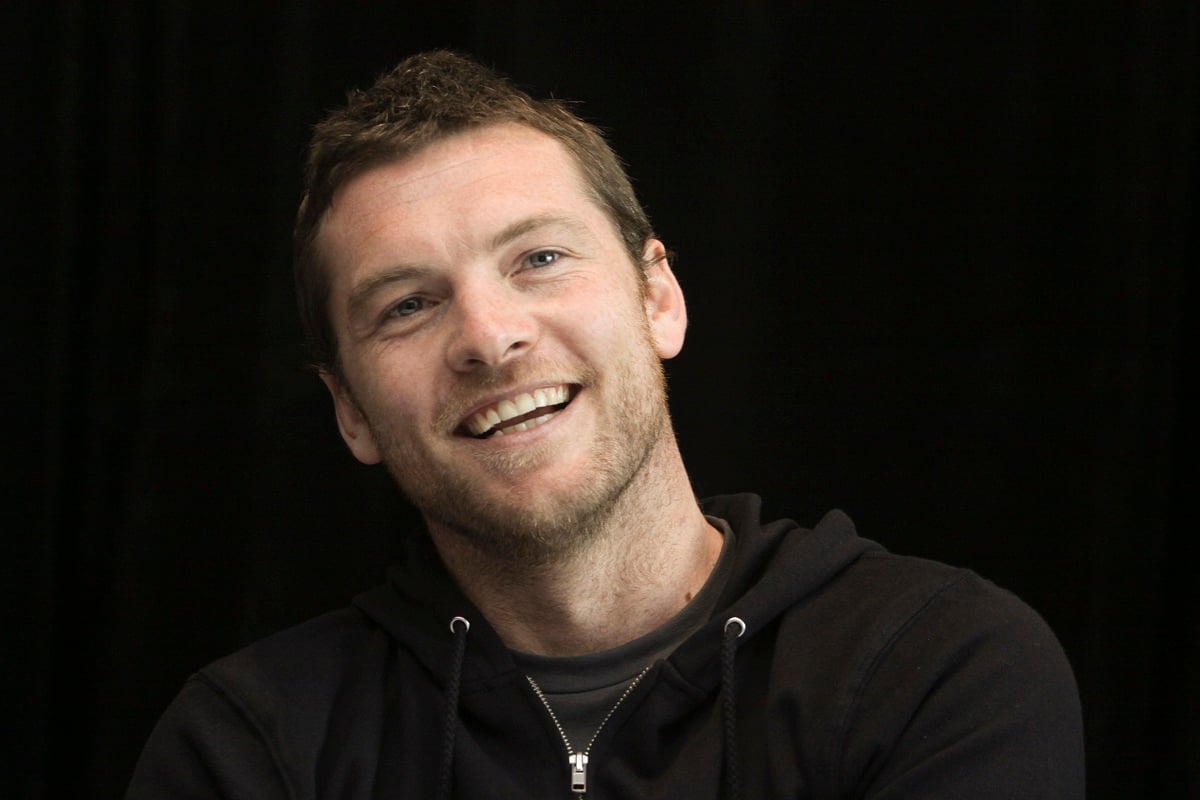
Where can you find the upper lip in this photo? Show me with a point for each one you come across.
(513, 403)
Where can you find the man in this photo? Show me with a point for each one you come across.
(489, 310)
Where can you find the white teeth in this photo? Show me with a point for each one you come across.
(506, 409)
(526, 425)
(525, 403)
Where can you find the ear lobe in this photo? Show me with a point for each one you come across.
(356, 433)
(665, 307)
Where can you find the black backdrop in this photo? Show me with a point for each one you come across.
(936, 264)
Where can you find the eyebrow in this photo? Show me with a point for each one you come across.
(523, 226)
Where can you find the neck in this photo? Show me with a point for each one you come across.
(652, 555)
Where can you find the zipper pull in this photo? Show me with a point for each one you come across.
(578, 763)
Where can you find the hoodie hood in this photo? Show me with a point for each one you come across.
(775, 568)
(776, 565)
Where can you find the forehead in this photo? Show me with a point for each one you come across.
(467, 182)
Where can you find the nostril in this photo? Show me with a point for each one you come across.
(487, 326)
(474, 352)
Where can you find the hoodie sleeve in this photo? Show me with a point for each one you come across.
(972, 696)
(204, 746)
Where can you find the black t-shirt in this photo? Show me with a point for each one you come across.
(582, 689)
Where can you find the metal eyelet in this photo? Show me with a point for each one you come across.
(735, 621)
(466, 623)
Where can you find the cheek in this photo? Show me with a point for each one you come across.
(386, 392)
(603, 339)
(401, 393)
(611, 320)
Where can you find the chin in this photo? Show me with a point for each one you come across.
(537, 520)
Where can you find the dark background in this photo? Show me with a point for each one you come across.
(936, 259)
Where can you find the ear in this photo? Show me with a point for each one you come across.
(351, 422)
(665, 309)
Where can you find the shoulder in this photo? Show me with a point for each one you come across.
(309, 662)
(878, 599)
(252, 724)
(889, 620)
(941, 673)
(901, 597)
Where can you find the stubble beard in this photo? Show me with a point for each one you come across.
(541, 528)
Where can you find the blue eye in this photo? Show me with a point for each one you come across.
(542, 258)
(407, 307)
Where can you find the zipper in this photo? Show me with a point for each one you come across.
(577, 762)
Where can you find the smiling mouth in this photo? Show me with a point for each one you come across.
(519, 413)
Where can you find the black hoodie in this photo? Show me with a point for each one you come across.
(859, 674)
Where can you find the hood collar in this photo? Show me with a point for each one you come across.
(776, 564)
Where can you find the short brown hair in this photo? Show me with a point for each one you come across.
(426, 98)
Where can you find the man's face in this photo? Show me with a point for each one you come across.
(500, 351)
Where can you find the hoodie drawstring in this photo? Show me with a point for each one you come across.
(734, 628)
(450, 718)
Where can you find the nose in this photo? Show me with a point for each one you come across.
(492, 324)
